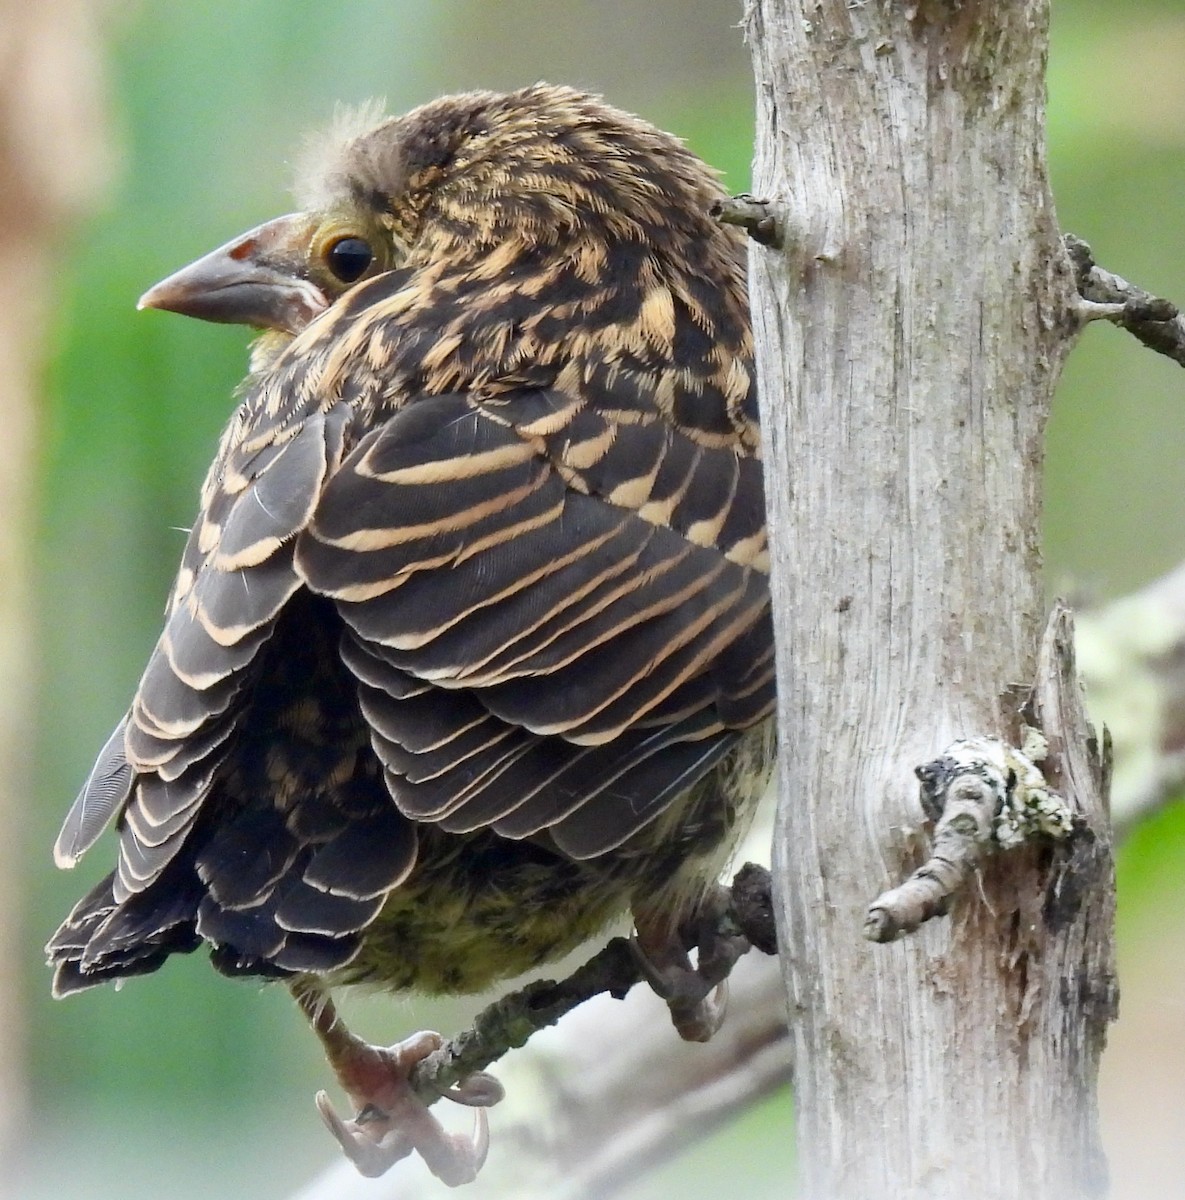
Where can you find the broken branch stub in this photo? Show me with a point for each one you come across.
(984, 795)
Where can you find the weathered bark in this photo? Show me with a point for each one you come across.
(909, 336)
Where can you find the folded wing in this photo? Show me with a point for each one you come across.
(536, 650)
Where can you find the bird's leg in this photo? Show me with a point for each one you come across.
(696, 995)
(391, 1120)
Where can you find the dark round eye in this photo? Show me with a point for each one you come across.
(348, 258)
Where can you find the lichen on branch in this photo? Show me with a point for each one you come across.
(985, 795)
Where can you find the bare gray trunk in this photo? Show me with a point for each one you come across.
(909, 337)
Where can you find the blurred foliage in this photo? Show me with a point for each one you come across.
(210, 100)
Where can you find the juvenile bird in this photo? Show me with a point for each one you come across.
(469, 651)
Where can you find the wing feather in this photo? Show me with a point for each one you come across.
(236, 578)
(103, 794)
(542, 626)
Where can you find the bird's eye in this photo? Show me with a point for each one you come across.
(348, 258)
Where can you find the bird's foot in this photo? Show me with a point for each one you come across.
(697, 995)
(391, 1121)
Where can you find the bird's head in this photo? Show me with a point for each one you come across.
(472, 181)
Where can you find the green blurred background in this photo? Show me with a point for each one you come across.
(188, 1085)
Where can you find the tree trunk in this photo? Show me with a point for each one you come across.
(909, 335)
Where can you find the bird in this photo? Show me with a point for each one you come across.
(469, 652)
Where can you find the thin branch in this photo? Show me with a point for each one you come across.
(606, 1095)
(1151, 319)
(755, 216)
(1132, 657)
(987, 796)
(508, 1023)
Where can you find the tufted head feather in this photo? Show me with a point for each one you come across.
(543, 161)
(325, 160)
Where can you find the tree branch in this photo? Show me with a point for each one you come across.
(987, 796)
(1152, 320)
(509, 1022)
(1132, 657)
(754, 216)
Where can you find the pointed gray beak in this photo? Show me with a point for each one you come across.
(258, 279)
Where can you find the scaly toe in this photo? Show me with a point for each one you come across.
(698, 1020)
(479, 1090)
(391, 1121)
(356, 1137)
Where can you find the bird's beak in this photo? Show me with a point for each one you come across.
(258, 279)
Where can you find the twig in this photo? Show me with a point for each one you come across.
(508, 1023)
(1152, 320)
(985, 795)
(755, 216)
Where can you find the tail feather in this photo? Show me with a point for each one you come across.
(101, 941)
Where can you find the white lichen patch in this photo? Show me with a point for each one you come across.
(1026, 806)
(1035, 744)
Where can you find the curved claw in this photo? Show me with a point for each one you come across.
(659, 980)
(454, 1158)
(696, 996)
(481, 1139)
(698, 1020)
(480, 1090)
(371, 1157)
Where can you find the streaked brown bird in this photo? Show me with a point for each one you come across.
(470, 650)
